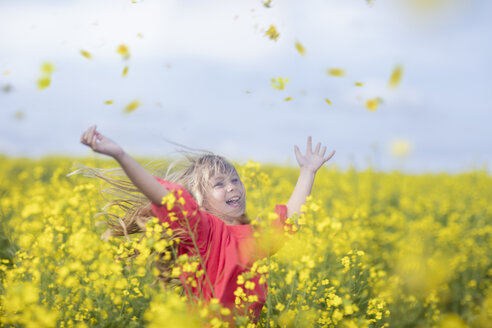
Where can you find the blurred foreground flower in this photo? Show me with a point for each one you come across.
(395, 77)
(132, 106)
(279, 83)
(272, 33)
(401, 148)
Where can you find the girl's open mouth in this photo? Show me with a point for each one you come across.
(234, 201)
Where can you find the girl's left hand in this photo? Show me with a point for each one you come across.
(312, 161)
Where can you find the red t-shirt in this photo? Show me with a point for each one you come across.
(226, 250)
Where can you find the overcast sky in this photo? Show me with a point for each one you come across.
(202, 70)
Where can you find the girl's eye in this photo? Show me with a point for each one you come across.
(219, 184)
(235, 180)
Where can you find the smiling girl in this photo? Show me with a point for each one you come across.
(206, 211)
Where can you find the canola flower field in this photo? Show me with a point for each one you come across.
(373, 250)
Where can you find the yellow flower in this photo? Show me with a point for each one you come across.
(396, 76)
(300, 48)
(272, 33)
(373, 104)
(279, 83)
(335, 72)
(132, 106)
(86, 54)
(123, 51)
(44, 82)
(328, 101)
(47, 68)
(401, 148)
(125, 71)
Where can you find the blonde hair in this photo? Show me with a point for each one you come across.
(192, 171)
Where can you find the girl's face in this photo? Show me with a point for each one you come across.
(226, 197)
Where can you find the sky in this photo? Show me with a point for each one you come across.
(202, 73)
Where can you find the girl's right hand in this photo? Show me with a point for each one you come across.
(100, 144)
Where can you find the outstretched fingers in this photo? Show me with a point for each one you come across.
(326, 159)
(298, 153)
(309, 147)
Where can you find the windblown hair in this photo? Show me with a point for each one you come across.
(128, 210)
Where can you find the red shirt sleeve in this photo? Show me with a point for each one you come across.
(184, 215)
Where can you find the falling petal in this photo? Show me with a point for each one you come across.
(328, 101)
(248, 92)
(395, 77)
(279, 83)
(370, 3)
(125, 71)
(7, 88)
(359, 84)
(288, 99)
(132, 106)
(168, 66)
(109, 102)
(47, 68)
(272, 33)
(267, 3)
(335, 72)
(6, 73)
(123, 51)
(158, 104)
(86, 54)
(401, 148)
(44, 82)
(373, 104)
(140, 35)
(300, 48)
(19, 115)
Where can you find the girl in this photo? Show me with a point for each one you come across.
(204, 204)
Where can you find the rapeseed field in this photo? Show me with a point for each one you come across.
(372, 249)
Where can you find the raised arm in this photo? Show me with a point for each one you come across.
(309, 164)
(140, 177)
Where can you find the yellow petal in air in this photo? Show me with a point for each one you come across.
(300, 48)
(279, 83)
(44, 82)
(123, 51)
(125, 71)
(288, 98)
(335, 72)
(109, 102)
(140, 35)
(19, 115)
(395, 77)
(86, 54)
(359, 84)
(272, 33)
(6, 73)
(267, 3)
(132, 106)
(47, 68)
(328, 101)
(401, 148)
(373, 104)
